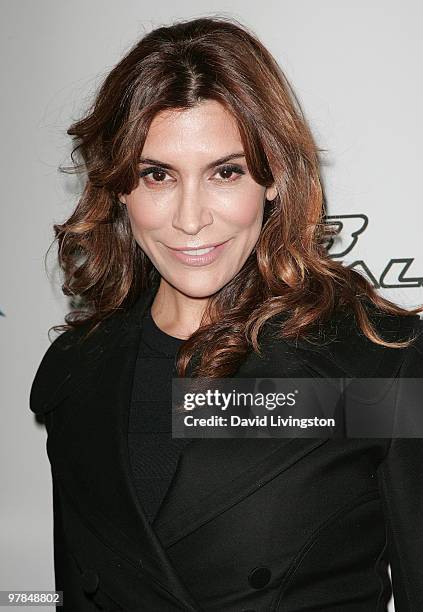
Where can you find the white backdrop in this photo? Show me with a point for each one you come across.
(356, 67)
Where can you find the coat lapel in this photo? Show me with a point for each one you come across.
(92, 461)
(200, 490)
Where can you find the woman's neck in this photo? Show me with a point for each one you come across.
(175, 313)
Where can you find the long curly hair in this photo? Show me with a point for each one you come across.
(289, 270)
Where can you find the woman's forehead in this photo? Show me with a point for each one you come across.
(205, 128)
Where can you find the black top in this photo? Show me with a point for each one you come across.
(153, 452)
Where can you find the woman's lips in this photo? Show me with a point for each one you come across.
(203, 258)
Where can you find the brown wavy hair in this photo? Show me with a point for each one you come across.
(289, 271)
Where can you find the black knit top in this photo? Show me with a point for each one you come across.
(153, 452)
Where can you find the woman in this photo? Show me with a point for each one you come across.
(198, 250)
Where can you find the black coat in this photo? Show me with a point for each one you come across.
(287, 525)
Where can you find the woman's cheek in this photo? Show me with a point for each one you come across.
(146, 214)
(245, 209)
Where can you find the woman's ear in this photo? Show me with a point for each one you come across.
(271, 192)
(121, 198)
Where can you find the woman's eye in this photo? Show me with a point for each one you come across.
(158, 174)
(227, 171)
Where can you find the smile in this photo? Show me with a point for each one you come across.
(198, 251)
(199, 257)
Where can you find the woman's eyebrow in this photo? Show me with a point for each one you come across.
(217, 162)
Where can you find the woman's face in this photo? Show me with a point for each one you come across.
(196, 212)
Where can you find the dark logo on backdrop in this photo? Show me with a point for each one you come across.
(396, 273)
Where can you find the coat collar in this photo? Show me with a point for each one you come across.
(92, 385)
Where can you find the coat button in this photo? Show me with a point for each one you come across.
(90, 581)
(259, 577)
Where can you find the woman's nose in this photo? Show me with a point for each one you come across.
(192, 212)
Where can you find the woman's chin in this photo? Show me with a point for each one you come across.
(199, 288)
